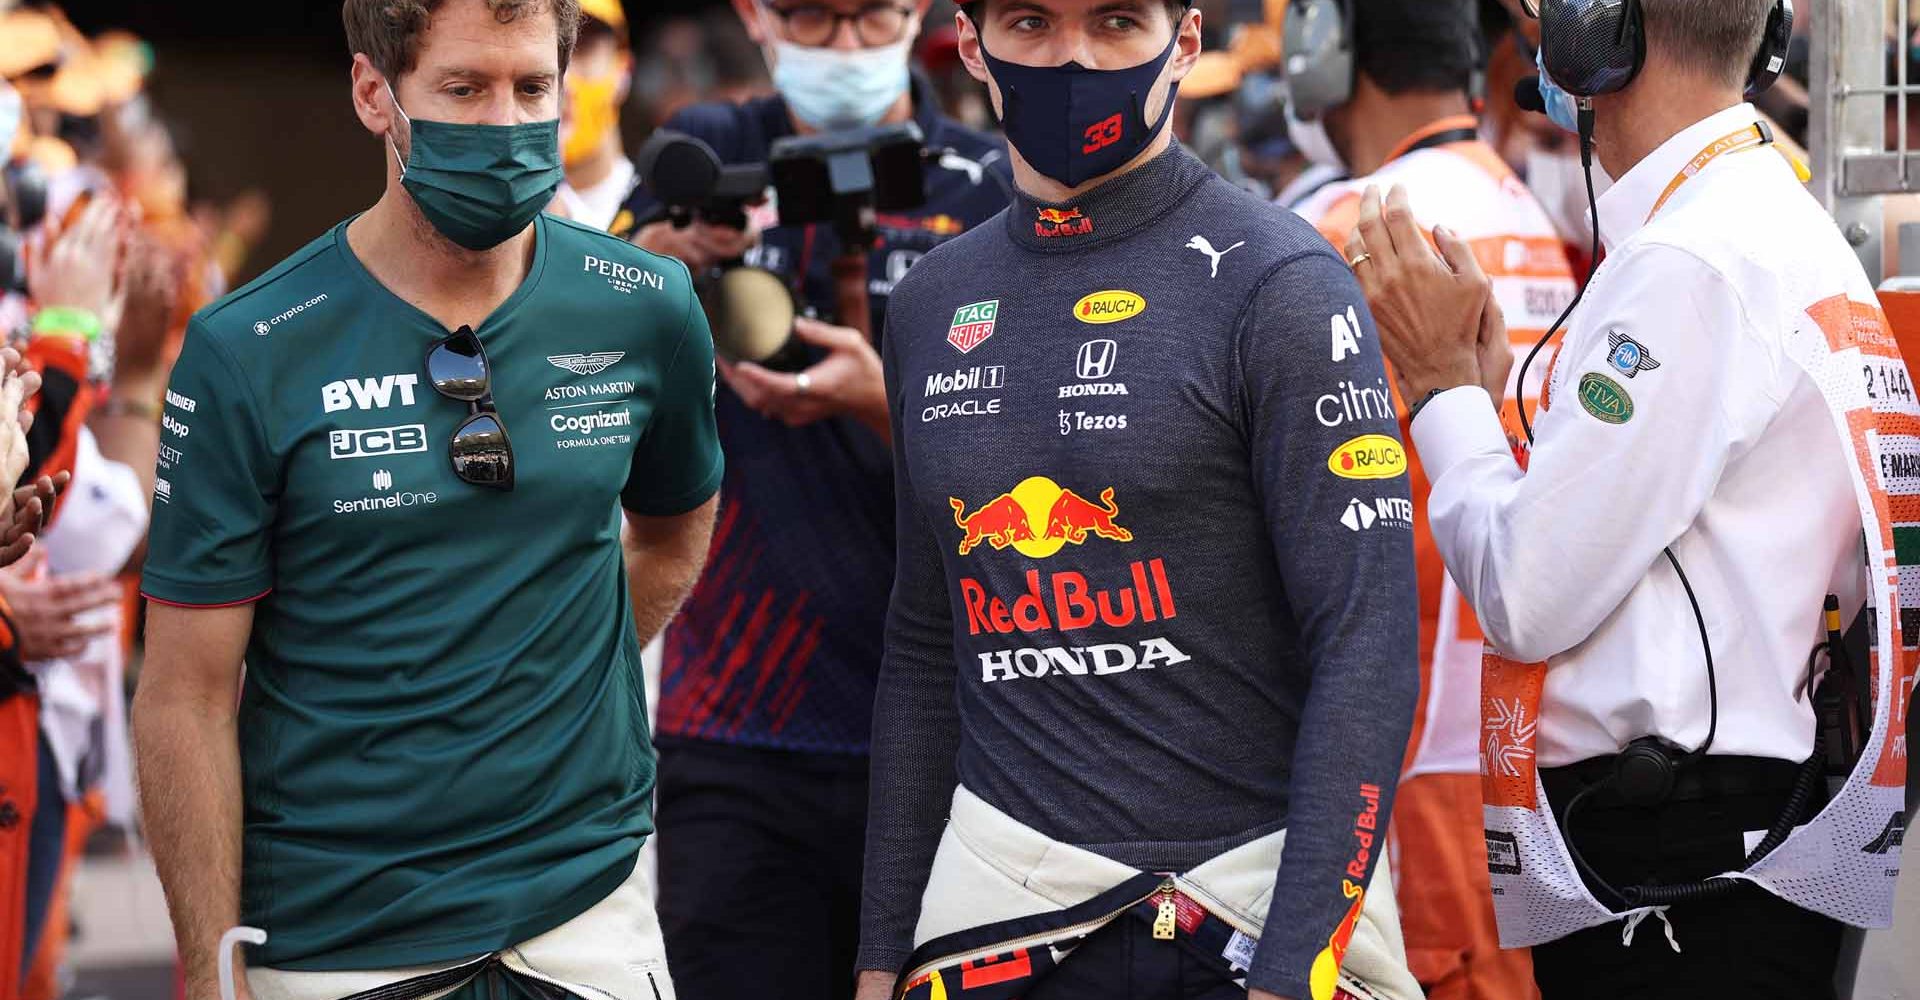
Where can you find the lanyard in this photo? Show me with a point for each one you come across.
(1741, 140)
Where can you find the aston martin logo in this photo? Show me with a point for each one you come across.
(586, 364)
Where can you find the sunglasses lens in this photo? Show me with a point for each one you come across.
(481, 453)
(1532, 7)
(457, 367)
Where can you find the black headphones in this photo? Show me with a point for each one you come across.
(1594, 47)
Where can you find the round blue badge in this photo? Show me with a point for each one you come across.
(1626, 357)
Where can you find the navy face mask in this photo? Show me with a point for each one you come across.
(1074, 124)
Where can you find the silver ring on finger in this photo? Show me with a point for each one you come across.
(803, 383)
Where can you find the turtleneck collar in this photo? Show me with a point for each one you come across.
(1112, 211)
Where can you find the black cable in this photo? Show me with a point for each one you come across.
(1713, 685)
(1593, 264)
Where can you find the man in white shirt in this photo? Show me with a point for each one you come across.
(599, 174)
(1706, 434)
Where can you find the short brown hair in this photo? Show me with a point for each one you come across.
(1715, 38)
(388, 31)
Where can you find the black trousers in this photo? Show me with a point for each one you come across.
(1750, 944)
(760, 866)
(1122, 961)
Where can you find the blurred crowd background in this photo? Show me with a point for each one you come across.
(224, 139)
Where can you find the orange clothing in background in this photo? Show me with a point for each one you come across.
(1446, 903)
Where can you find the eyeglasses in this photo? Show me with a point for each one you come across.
(481, 451)
(814, 25)
(1532, 7)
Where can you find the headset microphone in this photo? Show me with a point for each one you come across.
(1526, 93)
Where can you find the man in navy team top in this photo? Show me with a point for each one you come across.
(767, 685)
(1153, 616)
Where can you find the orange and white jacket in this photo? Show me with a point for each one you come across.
(1468, 188)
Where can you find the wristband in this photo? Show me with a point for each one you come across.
(67, 321)
(1414, 411)
(142, 409)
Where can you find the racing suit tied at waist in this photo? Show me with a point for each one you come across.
(991, 868)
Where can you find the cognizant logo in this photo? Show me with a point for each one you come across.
(588, 423)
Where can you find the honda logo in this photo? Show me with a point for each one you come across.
(1096, 359)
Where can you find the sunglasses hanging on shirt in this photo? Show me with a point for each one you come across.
(481, 452)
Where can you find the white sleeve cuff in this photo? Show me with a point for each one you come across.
(1456, 425)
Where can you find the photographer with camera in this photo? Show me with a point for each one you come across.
(769, 673)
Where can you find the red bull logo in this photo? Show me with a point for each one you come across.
(1068, 601)
(1016, 519)
(1057, 222)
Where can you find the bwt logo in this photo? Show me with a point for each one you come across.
(367, 393)
(403, 440)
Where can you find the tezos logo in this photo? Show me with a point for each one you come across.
(402, 440)
(367, 393)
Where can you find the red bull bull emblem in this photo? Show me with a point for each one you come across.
(1015, 519)
(1057, 222)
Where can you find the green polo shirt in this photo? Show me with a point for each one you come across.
(443, 737)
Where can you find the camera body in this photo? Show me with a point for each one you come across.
(844, 178)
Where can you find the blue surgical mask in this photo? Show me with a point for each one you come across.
(1562, 108)
(840, 88)
(1073, 124)
(10, 115)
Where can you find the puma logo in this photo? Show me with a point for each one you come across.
(1202, 244)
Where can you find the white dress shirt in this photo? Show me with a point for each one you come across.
(1728, 454)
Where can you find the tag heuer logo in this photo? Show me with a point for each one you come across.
(972, 324)
(586, 364)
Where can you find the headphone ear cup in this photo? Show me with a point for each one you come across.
(1771, 60)
(1592, 47)
(1318, 56)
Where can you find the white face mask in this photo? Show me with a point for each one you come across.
(1313, 142)
(841, 88)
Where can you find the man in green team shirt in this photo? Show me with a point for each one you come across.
(388, 483)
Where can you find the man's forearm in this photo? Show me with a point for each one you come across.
(189, 770)
(659, 578)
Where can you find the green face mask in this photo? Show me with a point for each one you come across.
(480, 185)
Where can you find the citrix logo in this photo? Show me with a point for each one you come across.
(367, 393)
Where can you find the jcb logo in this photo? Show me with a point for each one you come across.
(1103, 134)
(367, 393)
(401, 440)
